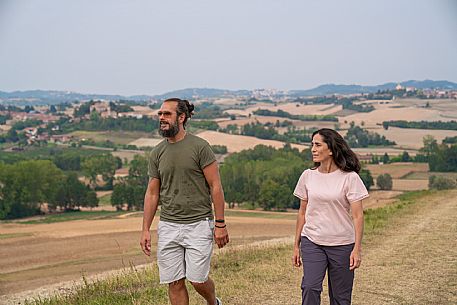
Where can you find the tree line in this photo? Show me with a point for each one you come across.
(359, 137)
(265, 177)
(26, 185)
(357, 107)
(450, 125)
(97, 123)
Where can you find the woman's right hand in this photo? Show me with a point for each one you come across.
(296, 259)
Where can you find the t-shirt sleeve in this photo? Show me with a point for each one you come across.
(153, 166)
(206, 156)
(356, 190)
(301, 191)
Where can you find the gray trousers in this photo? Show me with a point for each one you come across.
(316, 260)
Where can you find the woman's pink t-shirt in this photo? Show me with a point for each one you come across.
(329, 195)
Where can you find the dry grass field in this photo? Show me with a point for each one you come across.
(402, 175)
(408, 259)
(396, 170)
(447, 106)
(273, 119)
(253, 119)
(146, 142)
(227, 101)
(145, 110)
(237, 143)
(409, 184)
(391, 151)
(36, 255)
(292, 108)
(117, 137)
(373, 118)
(412, 138)
(379, 199)
(297, 108)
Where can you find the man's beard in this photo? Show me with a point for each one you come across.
(172, 130)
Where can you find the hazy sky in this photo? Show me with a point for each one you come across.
(151, 47)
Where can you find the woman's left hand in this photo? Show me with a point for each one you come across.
(355, 259)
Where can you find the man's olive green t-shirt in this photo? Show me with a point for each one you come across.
(184, 193)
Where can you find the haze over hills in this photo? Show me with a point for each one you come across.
(37, 97)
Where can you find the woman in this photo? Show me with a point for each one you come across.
(330, 219)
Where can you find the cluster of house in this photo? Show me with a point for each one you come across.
(431, 93)
(104, 110)
(33, 135)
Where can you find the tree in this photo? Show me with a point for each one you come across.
(405, 157)
(384, 182)
(130, 194)
(138, 170)
(374, 159)
(26, 185)
(443, 159)
(359, 137)
(70, 194)
(73, 194)
(104, 165)
(385, 158)
(117, 197)
(430, 145)
(274, 196)
(367, 178)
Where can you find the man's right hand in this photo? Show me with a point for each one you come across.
(145, 242)
(296, 260)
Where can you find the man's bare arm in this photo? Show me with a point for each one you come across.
(211, 173)
(151, 202)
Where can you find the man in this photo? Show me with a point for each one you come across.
(184, 179)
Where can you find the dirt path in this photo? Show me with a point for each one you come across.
(415, 260)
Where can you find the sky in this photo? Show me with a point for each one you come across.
(132, 47)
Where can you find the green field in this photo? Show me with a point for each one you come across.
(68, 216)
(117, 137)
(426, 175)
(105, 200)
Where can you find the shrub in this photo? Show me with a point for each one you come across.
(219, 149)
(384, 182)
(441, 183)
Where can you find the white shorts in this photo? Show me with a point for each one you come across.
(184, 251)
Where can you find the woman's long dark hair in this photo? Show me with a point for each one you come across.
(343, 156)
